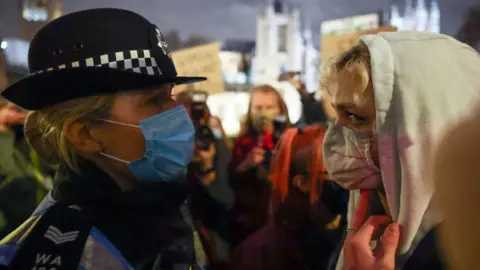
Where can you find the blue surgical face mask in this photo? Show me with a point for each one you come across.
(169, 138)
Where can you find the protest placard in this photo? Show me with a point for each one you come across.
(3, 73)
(201, 61)
(332, 45)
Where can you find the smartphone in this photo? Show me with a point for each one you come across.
(199, 96)
(198, 107)
(279, 126)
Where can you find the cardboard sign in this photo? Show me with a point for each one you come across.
(350, 25)
(201, 61)
(332, 45)
(3, 73)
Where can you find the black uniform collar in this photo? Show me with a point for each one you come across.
(93, 186)
(140, 224)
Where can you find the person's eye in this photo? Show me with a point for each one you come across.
(355, 119)
(154, 100)
(159, 99)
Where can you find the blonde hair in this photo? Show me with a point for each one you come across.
(45, 129)
(247, 127)
(354, 62)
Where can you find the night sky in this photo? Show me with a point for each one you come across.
(223, 19)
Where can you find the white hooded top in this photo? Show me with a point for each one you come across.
(423, 83)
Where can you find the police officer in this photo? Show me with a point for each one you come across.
(100, 94)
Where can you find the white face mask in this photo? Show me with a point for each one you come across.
(347, 158)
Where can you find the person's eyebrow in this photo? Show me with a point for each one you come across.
(344, 106)
(155, 92)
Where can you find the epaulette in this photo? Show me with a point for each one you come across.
(56, 241)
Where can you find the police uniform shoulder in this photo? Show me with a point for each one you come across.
(56, 239)
(18, 235)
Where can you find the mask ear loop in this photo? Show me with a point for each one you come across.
(99, 151)
(118, 123)
(114, 158)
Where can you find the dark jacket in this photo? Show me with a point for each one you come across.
(251, 187)
(428, 254)
(209, 205)
(312, 111)
(252, 197)
(24, 181)
(142, 229)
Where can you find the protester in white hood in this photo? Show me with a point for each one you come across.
(394, 95)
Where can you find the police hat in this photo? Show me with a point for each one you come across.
(97, 51)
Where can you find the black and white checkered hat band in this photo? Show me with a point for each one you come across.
(139, 61)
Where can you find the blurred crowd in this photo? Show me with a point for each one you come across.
(378, 174)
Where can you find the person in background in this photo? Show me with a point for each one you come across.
(211, 196)
(24, 177)
(395, 94)
(307, 213)
(10, 115)
(248, 170)
(215, 124)
(257, 138)
(101, 108)
(215, 147)
(313, 111)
